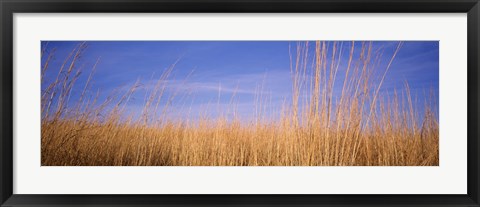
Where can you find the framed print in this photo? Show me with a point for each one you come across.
(265, 103)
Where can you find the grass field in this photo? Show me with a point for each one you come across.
(360, 126)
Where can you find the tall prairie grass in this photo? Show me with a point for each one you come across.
(361, 125)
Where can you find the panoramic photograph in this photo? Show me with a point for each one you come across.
(239, 103)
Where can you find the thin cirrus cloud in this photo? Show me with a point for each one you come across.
(239, 84)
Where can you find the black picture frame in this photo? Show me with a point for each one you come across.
(9, 7)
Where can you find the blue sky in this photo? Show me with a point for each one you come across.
(215, 69)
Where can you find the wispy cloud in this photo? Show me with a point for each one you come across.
(249, 84)
(207, 87)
